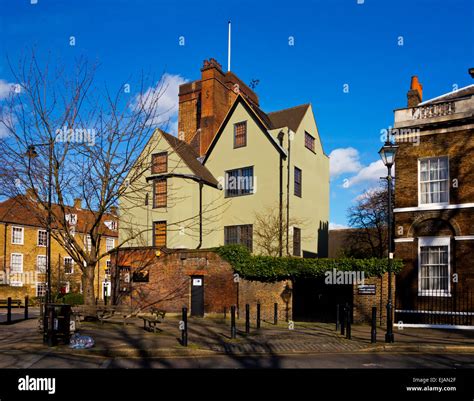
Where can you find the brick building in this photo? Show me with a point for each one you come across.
(434, 201)
(23, 248)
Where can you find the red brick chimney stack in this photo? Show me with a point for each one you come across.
(415, 94)
(204, 103)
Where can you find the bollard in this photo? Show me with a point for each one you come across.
(337, 317)
(184, 331)
(373, 332)
(225, 312)
(258, 316)
(275, 313)
(9, 310)
(26, 307)
(342, 315)
(348, 322)
(247, 318)
(233, 330)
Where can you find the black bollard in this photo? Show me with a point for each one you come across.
(26, 307)
(258, 316)
(337, 317)
(342, 316)
(225, 312)
(184, 331)
(9, 310)
(348, 322)
(233, 330)
(247, 318)
(373, 331)
(275, 313)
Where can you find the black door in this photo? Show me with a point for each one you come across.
(197, 296)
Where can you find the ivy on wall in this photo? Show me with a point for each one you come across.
(270, 268)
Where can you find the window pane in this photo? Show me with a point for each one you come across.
(159, 163)
(240, 134)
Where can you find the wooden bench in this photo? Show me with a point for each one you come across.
(151, 320)
(15, 302)
(116, 314)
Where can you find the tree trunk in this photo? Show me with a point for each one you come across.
(88, 291)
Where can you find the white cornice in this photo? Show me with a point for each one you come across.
(435, 207)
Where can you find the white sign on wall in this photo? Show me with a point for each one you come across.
(197, 282)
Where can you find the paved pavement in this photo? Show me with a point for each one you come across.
(210, 345)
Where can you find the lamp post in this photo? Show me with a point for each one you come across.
(387, 154)
(31, 154)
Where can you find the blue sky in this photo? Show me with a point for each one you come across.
(373, 47)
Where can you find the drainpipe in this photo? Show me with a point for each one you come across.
(200, 215)
(288, 194)
(280, 239)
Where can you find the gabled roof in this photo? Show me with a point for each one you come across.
(190, 157)
(24, 211)
(290, 118)
(260, 118)
(457, 94)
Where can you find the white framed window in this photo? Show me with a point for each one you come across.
(16, 263)
(433, 181)
(41, 263)
(41, 289)
(68, 265)
(17, 235)
(42, 238)
(88, 243)
(109, 244)
(434, 266)
(108, 267)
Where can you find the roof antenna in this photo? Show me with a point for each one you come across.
(228, 49)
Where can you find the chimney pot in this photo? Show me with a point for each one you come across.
(415, 94)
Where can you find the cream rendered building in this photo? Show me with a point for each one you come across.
(256, 164)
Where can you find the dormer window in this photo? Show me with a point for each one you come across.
(71, 219)
(111, 225)
(159, 163)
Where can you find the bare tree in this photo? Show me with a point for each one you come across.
(266, 231)
(369, 218)
(95, 139)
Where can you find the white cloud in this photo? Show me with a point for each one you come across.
(164, 98)
(6, 88)
(344, 160)
(369, 175)
(335, 226)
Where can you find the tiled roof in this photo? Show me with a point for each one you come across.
(190, 157)
(22, 211)
(288, 117)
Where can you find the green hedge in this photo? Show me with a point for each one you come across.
(270, 269)
(73, 299)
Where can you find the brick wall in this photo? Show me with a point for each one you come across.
(169, 283)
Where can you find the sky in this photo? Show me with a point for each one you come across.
(351, 59)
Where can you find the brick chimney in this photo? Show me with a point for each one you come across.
(77, 203)
(204, 103)
(415, 94)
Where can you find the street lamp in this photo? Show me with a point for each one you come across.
(31, 154)
(387, 154)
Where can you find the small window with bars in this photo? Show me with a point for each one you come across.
(160, 189)
(434, 270)
(159, 163)
(41, 263)
(240, 134)
(298, 182)
(17, 235)
(41, 289)
(296, 241)
(241, 234)
(42, 238)
(108, 267)
(159, 233)
(309, 141)
(109, 244)
(68, 265)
